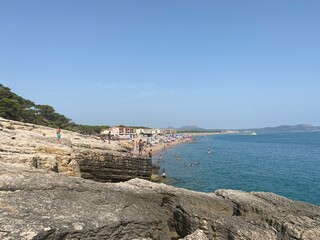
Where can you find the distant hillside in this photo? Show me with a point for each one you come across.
(289, 128)
(282, 128)
(191, 128)
(188, 129)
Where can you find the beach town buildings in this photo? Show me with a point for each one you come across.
(170, 131)
(133, 132)
(146, 131)
(119, 130)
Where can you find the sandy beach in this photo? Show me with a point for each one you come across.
(156, 148)
(161, 145)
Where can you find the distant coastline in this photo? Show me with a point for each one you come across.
(289, 128)
(281, 128)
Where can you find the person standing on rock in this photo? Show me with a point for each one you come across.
(59, 135)
(150, 154)
(140, 146)
(109, 136)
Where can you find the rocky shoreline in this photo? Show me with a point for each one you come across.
(44, 195)
(39, 204)
(77, 155)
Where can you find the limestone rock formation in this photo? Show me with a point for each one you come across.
(41, 204)
(77, 155)
(44, 196)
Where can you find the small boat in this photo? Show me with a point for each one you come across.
(252, 133)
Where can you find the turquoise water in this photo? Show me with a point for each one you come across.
(284, 163)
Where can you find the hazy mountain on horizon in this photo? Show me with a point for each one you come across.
(281, 128)
(191, 128)
(289, 128)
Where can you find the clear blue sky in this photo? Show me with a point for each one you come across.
(213, 64)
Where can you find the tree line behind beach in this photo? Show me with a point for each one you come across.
(17, 108)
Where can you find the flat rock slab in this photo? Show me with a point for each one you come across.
(40, 204)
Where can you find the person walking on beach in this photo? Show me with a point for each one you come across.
(140, 147)
(150, 153)
(59, 135)
(109, 136)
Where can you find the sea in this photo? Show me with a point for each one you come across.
(285, 163)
